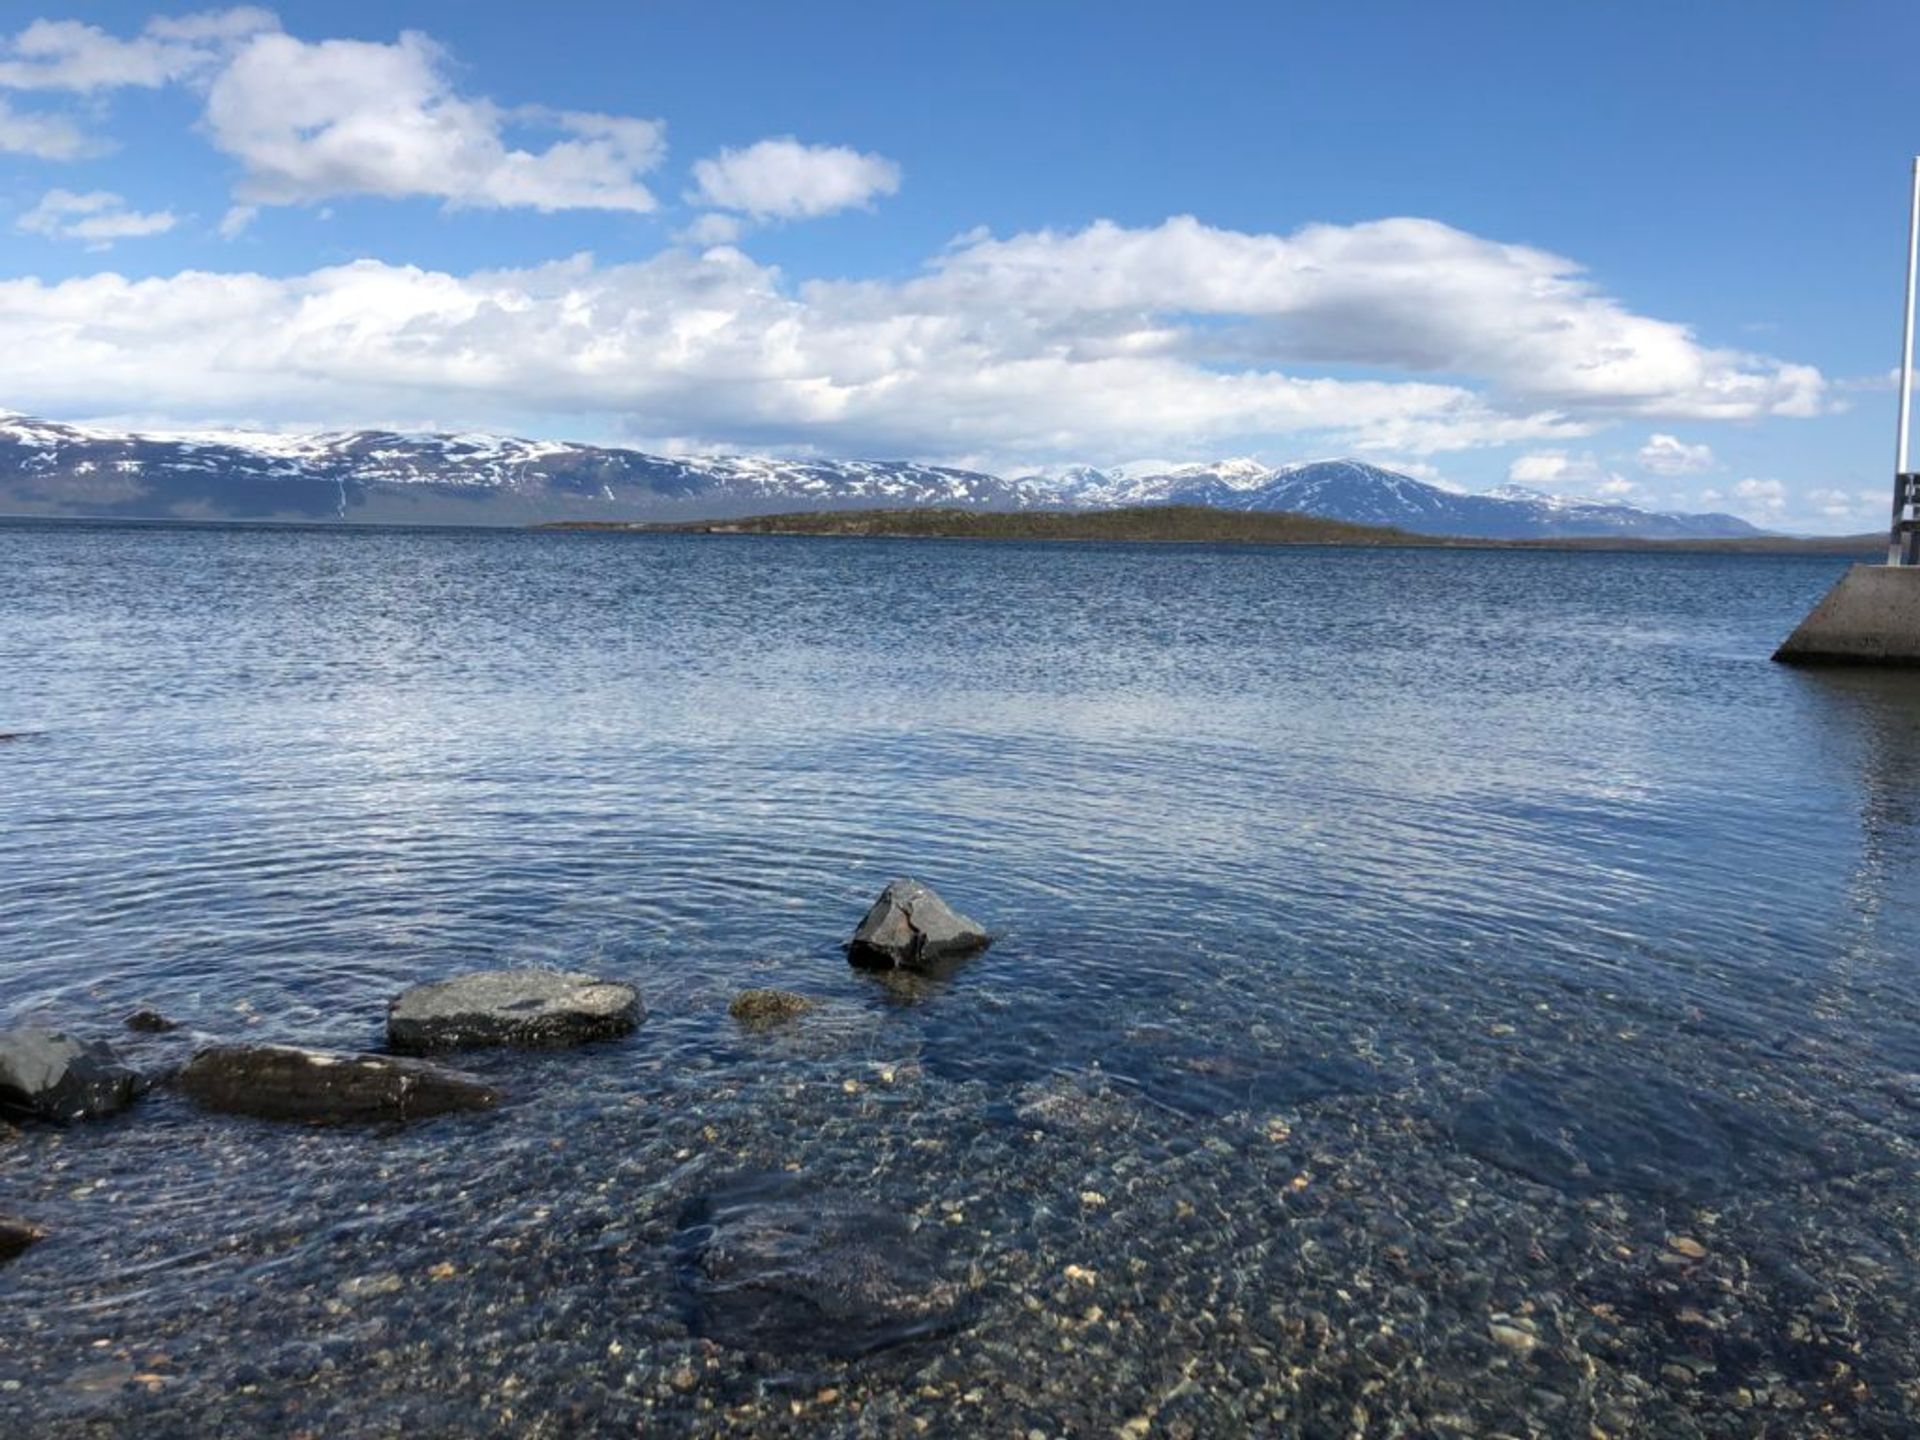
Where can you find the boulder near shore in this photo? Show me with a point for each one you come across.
(287, 1082)
(50, 1075)
(17, 1234)
(912, 928)
(538, 1009)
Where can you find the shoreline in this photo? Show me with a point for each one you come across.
(1190, 525)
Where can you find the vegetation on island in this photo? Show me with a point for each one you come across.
(1175, 524)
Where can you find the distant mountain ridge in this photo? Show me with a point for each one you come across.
(52, 469)
(47, 468)
(1362, 494)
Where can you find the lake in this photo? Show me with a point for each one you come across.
(1435, 991)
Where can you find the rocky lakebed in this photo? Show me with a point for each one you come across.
(825, 1234)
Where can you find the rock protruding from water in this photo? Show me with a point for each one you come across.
(911, 928)
(149, 1021)
(52, 1076)
(286, 1082)
(788, 1274)
(542, 1009)
(764, 1009)
(16, 1235)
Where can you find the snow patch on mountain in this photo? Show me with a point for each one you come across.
(47, 467)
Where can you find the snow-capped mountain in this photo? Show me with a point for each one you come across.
(48, 468)
(1363, 494)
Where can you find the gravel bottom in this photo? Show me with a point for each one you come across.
(1339, 1268)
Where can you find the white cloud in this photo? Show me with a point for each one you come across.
(786, 180)
(712, 228)
(1842, 504)
(234, 223)
(98, 217)
(1566, 474)
(1408, 294)
(702, 346)
(1669, 455)
(72, 56)
(1081, 346)
(45, 137)
(309, 122)
(1760, 499)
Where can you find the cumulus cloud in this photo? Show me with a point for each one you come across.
(98, 218)
(73, 56)
(702, 346)
(1176, 340)
(310, 122)
(1669, 455)
(712, 228)
(1832, 504)
(45, 137)
(1411, 294)
(785, 180)
(1562, 473)
(1760, 499)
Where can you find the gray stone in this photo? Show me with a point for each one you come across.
(286, 1082)
(763, 1009)
(17, 1234)
(783, 1272)
(52, 1076)
(910, 927)
(1872, 617)
(533, 1008)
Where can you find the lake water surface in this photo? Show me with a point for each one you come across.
(1438, 992)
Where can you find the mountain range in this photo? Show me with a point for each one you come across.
(50, 469)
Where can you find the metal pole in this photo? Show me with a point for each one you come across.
(1895, 547)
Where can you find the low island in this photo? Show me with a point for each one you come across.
(1178, 524)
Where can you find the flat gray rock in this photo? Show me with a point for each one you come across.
(911, 928)
(534, 1008)
(52, 1076)
(286, 1082)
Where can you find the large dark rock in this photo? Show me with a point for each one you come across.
(52, 1076)
(776, 1271)
(285, 1082)
(910, 927)
(534, 1008)
(17, 1234)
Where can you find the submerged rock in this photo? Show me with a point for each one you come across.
(763, 1009)
(285, 1082)
(786, 1273)
(52, 1076)
(1083, 1104)
(17, 1234)
(911, 927)
(534, 1008)
(148, 1021)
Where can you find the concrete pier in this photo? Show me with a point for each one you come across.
(1872, 617)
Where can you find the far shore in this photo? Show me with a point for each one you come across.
(1186, 524)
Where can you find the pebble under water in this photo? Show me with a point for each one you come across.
(1435, 993)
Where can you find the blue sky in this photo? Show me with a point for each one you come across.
(1650, 252)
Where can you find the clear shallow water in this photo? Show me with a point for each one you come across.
(1399, 952)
